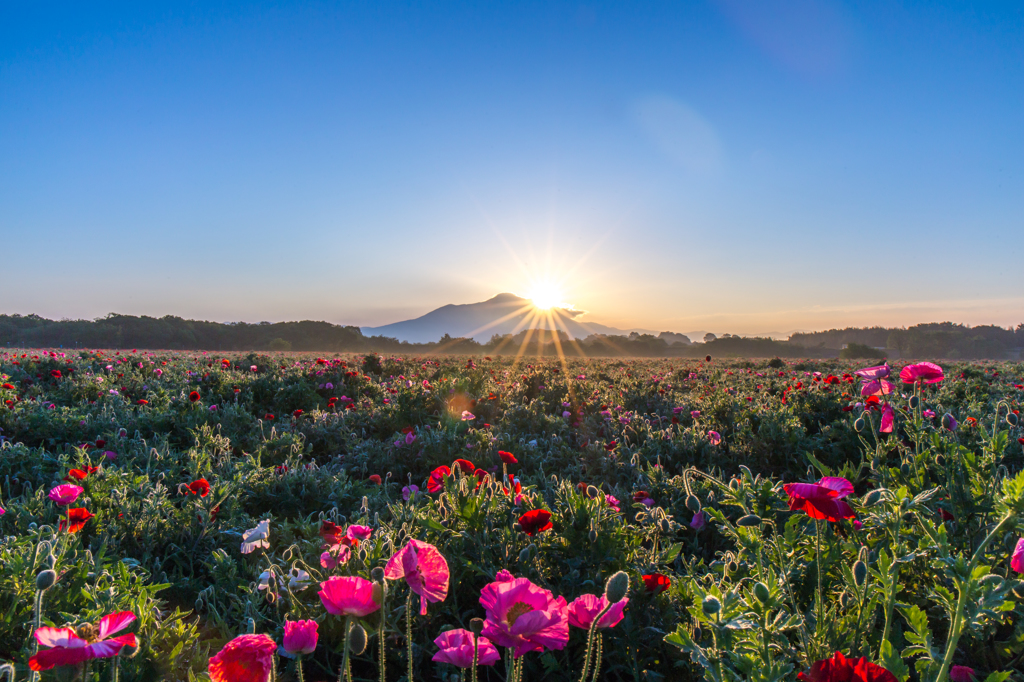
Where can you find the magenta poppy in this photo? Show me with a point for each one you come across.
(525, 617)
(871, 373)
(922, 372)
(65, 494)
(585, 608)
(71, 646)
(246, 658)
(300, 636)
(1017, 560)
(888, 418)
(424, 569)
(348, 596)
(456, 648)
(821, 500)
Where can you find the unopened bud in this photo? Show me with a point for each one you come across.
(664, 526)
(858, 424)
(693, 503)
(377, 592)
(762, 593)
(357, 639)
(905, 469)
(377, 574)
(524, 555)
(592, 536)
(749, 521)
(45, 579)
(711, 605)
(940, 460)
(1012, 419)
(872, 498)
(616, 587)
(592, 492)
(860, 573)
(476, 626)
(914, 402)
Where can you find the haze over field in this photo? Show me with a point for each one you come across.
(729, 166)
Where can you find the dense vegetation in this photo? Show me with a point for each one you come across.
(671, 470)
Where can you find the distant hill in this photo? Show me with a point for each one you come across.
(503, 314)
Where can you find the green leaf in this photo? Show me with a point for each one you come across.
(892, 662)
(998, 676)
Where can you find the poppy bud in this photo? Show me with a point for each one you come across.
(45, 579)
(860, 573)
(665, 526)
(377, 592)
(693, 503)
(362, 555)
(914, 402)
(524, 555)
(357, 639)
(517, 528)
(616, 587)
(905, 469)
(762, 593)
(711, 605)
(271, 597)
(591, 492)
(858, 424)
(592, 536)
(940, 460)
(948, 422)
(1011, 419)
(696, 633)
(476, 626)
(749, 521)
(872, 498)
(377, 574)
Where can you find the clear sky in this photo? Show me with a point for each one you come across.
(728, 165)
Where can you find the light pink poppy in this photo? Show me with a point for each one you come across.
(424, 569)
(877, 372)
(246, 658)
(1017, 560)
(300, 636)
(525, 617)
(877, 387)
(335, 555)
(65, 494)
(456, 648)
(821, 500)
(923, 372)
(70, 646)
(586, 607)
(348, 596)
(888, 417)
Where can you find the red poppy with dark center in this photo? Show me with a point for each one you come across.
(200, 487)
(331, 532)
(194, 396)
(656, 583)
(464, 465)
(78, 516)
(375, 478)
(55, 373)
(9, 387)
(268, 417)
(100, 442)
(436, 481)
(297, 413)
(839, 668)
(536, 521)
(507, 457)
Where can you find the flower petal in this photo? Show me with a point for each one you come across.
(115, 622)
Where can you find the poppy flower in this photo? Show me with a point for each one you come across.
(877, 387)
(375, 479)
(257, 537)
(536, 521)
(142, 402)
(9, 387)
(1017, 560)
(714, 437)
(55, 373)
(246, 658)
(923, 372)
(268, 417)
(65, 494)
(194, 396)
(961, 673)
(72, 646)
(585, 608)
(524, 616)
(348, 596)
(877, 372)
(297, 413)
(424, 569)
(839, 668)
(656, 583)
(409, 491)
(456, 647)
(300, 637)
(335, 555)
(199, 487)
(331, 532)
(507, 457)
(888, 417)
(79, 474)
(821, 500)
(464, 465)
(436, 481)
(356, 533)
(78, 517)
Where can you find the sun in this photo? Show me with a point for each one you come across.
(546, 296)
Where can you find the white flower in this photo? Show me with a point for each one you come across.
(298, 580)
(256, 537)
(265, 578)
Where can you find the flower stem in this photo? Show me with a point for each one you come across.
(344, 658)
(590, 641)
(817, 606)
(476, 654)
(408, 631)
(597, 655)
(380, 629)
(298, 670)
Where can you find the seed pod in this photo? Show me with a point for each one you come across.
(872, 498)
(592, 536)
(357, 639)
(860, 573)
(693, 503)
(749, 521)
(476, 626)
(1012, 419)
(616, 587)
(858, 424)
(762, 593)
(711, 605)
(45, 579)
(914, 402)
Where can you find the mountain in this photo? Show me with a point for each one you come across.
(503, 314)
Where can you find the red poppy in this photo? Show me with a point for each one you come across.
(839, 668)
(79, 474)
(507, 457)
(611, 445)
(640, 496)
(407, 430)
(536, 521)
(436, 481)
(78, 516)
(821, 500)
(194, 396)
(9, 387)
(656, 583)
(268, 417)
(140, 401)
(1021, 441)
(946, 516)
(55, 373)
(100, 442)
(297, 413)
(199, 487)
(331, 532)
(707, 358)
(464, 465)
(375, 478)
(481, 476)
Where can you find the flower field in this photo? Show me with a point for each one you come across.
(247, 517)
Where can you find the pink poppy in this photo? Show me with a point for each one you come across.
(348, 596)
(335, 555)
(714, 437)
(300, 636)
(409, 491)
(456, 648)
(698, 521)
(961, 673)
(888, 417)
(871, 373)
(821, 500)
(586, 607)
(923, 372)
(877, 387)
(358, 532)
(65, 494)
(72, 646)
(246, 658)
(1017, 560)
(424, 569)
(525, 617)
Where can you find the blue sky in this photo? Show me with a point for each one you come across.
(735, 166)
